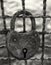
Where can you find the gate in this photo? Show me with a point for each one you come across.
(43, 33)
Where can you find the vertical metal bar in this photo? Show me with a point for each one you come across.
(3, 16)
(9, 60)
(4, 23)
(25, 62)
(43, 36)
(23, 5)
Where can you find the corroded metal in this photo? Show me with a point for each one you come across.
(16, 42)
(12, 26)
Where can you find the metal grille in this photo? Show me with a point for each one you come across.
(43, 33)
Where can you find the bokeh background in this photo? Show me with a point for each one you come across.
(36, 8)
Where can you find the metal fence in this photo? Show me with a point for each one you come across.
(43, 33)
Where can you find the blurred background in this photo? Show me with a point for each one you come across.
(36, 8)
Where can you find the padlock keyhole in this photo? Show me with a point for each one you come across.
(24, 52)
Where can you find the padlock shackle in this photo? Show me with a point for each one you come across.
(12, 23)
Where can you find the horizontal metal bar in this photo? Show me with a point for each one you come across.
(5, 58)
(4, 46)
(12, 58)
(7, 30)
(40, 59)
(46, 47)
(44, 32)
(4, 31)
(6, 16)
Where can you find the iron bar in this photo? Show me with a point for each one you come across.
(9, 59)
(44, 16)
(6, 16)
(23, 5)
(28, 59)
(43, 36)
(25, 62)
(47, 16)
(3, 15)
(4, 46)
(5, 30)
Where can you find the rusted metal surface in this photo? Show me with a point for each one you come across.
(28, 40)
(43, 33)
(12, 26)
(43, 36)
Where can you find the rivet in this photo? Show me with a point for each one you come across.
(14, 40)
(35, 34)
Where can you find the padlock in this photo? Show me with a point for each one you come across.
(23, 45)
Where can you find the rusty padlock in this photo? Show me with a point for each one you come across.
(23, 45)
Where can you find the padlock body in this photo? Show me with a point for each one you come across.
(16, 42)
